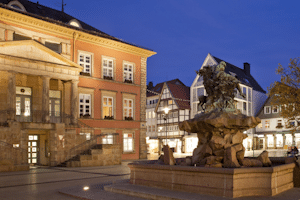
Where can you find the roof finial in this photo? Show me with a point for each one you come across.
(62, 6)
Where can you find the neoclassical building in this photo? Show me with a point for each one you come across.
(255, 95)
(66, 86)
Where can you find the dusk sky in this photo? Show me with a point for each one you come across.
(183, 32)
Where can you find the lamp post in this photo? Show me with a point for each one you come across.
(166, 110)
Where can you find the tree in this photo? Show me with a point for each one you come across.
(286, 93)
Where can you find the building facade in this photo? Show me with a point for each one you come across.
(64, 82)
(250, 106)
(174, 96)
(272, 132)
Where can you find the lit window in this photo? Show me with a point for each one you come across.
(85, 105)
(108, 139)
(128, 142)
(128, 108)
(128, 73)
(267, 124)
(279, 123)
(85, 60)
(75, 23)
(267, 109)
(108, 107)
(108, 68)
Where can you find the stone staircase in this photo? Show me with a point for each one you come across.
(97, 155)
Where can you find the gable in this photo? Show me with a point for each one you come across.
(32, 50)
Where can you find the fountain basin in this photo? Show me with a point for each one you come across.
(227, 182)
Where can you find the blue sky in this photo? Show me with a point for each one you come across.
(182, 32)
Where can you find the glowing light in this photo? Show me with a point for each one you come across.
(85, 188)
(166, 110)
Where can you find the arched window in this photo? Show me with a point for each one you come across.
(16, 5)
(75, 23)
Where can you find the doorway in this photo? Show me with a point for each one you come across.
(33, 149)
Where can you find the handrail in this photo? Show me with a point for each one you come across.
(80, 148)
(15, 155)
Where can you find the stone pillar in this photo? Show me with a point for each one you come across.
(142, 141)
(10, 35)
(11, 96)
(2, 34)
(293, 139)
(45, 99)
(266, 142)
(275, 141)
(74, 102)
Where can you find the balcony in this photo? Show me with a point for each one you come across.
(34, 116)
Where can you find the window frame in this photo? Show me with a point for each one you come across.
(84, 103)
(132, 143)
(274, 107)
(105, 67)
(132, 72)
(83, 63)
(128, 108)
(107, 137)
(112, 106)
(267, 122)
(265, 110)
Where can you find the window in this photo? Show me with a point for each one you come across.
(23, 104)
(267, 109)
(267, 124)
(54, 46)
(75, 23)
(16, 5)
(85, 60)
(128, 108)
(85, 105)
(108, 68)
(87, 135)
(108, 139)
(153, 114)
(17, 37)
(54, 106)
(148, 128)
(128, 73)
(128, 142)
(108, 107)
(275, 109)
(279, 123)
(170, 102)
(153, 128)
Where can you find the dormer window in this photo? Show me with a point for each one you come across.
(16, 5)
(75, 23)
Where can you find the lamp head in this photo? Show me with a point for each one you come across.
(166, 110)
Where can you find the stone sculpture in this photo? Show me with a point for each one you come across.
(220, 128)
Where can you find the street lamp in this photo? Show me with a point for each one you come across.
(166, 110)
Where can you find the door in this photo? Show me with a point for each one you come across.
(33, 149)
(54, 110)
(261, 143)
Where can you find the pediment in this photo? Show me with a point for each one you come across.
(33, 50)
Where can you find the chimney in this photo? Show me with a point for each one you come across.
(247, 68)
(150, 85)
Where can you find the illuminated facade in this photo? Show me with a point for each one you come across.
(64, 82)
(250, 106)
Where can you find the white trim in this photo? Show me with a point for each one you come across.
(84, 62)
(265, 110)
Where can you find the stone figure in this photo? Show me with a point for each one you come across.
(220, 87)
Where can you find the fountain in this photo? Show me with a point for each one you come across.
(218, 166)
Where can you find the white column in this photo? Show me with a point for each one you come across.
(74, 102)
(45, 99)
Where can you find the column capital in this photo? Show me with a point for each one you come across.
(75, 81)
(46, 77)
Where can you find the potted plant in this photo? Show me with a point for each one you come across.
(108, 77)
(109, 117)
(129, 118)
(127, 81)
(86, 116)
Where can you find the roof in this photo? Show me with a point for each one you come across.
(45, 13)
(177, 89)
(241, 75)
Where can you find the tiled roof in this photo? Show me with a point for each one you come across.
(240, 73)
(178, 91)
(45, 13)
